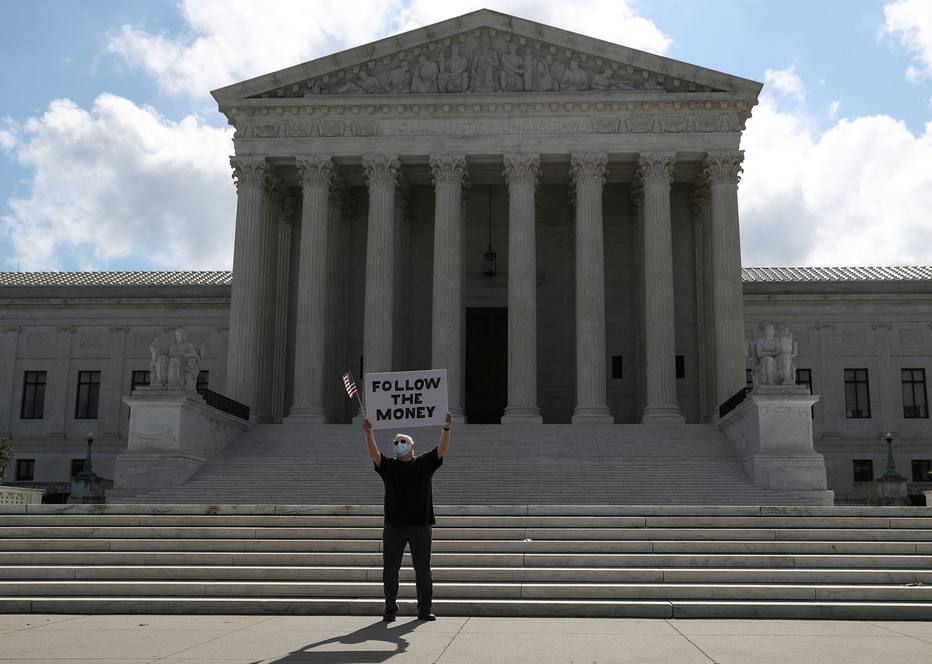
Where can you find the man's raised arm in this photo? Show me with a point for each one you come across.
(371, 447)
(444, 443)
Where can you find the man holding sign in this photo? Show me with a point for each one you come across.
(409, 505)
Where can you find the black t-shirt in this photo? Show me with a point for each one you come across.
(408, 497)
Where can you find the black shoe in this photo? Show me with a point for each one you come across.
(388, 617)
(427, 617)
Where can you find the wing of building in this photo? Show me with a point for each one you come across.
(551, 218)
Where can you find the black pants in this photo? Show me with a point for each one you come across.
(394, 539)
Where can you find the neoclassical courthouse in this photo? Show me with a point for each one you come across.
(550, 217)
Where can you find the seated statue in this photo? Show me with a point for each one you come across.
(773, 357)
(176, 368)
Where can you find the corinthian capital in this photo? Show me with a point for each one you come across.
(315, 170)
(382, 170)
(447, 168)
(522, 169)
(723, 167)
(589, 168)
(656, 168)
(250, 172)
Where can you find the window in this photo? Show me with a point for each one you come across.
(139, 379)
(617, 367)
(203, 381)
(85, 408)
(804, 377)
(681, 366)
(914, 393)
(857, 394)
(922, 470)
(863, 470)
(77, 465)
(749, 378)
(33, 406)
(25, 470)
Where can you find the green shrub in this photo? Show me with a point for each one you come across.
(6, 454)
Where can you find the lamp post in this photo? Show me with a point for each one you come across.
(88, 469)
(891, 465)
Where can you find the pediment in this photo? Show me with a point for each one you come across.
(489, 53)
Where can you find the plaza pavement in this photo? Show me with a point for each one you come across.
(242, 639)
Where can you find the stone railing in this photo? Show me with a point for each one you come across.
(15, 495)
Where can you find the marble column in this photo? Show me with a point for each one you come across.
(655, 171)
(335, 357)
(287, 207)
(708, 405)
(267, 287)
(382, 172)
(316, 176)
(588, 172)
(449, 172)
(722, 171)
(521, 173)
(250, 285)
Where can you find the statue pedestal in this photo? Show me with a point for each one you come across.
(171, 434)
(772, 433)
(889, 491)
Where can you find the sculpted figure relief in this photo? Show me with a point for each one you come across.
(575, 78)
(454, 72)
(485, 63)
(424, 79)
(484, 66)
(773, 357)
(513, 70)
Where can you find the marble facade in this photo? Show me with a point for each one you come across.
(407, 128)
(371, 183)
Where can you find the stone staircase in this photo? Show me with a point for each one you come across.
(540, 560)
(299, 463)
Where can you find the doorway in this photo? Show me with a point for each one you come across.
(486, 364)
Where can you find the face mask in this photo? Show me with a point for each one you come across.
(401, 449)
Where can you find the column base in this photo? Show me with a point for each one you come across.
(522, 415)
(307, 414)
(592, 415)
(662, 414)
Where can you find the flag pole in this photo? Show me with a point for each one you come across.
(361, 407)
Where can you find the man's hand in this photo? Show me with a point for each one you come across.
(444, 443)
(371, 447)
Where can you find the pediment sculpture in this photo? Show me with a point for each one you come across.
(486, 60)
(177, 366)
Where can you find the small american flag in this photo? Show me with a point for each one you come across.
(349, 384)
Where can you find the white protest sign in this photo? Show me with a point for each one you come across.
(406, 398)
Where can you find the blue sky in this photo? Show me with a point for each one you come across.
(113, 156)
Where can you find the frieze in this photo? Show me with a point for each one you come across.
(398, 127)
(485, 61)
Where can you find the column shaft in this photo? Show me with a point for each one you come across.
(722, 171)
(251, 174)
(588, 171)
(335, 356)
(449, 172)
(286, 210)
(656, 173)
(382, 173)
(521, 174)
(266, 281)
(316, 175)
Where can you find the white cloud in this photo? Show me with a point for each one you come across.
(786, 82)
(910, 21)
(119, 182)
(612, 20)
(856, 193)
(233, 40)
